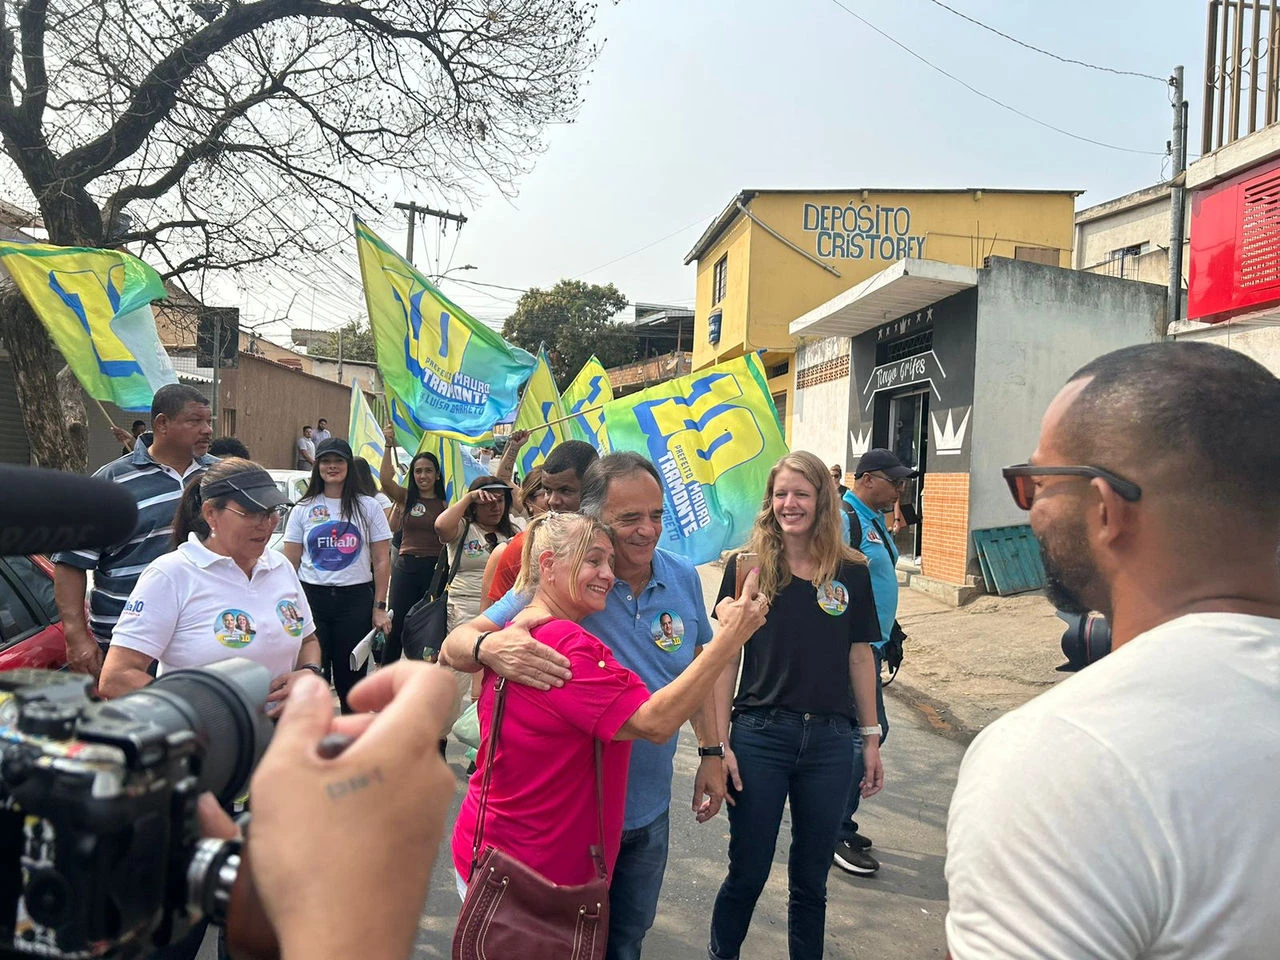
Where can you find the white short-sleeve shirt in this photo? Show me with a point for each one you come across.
(1130, 812)
(335, 551)
(194, 607)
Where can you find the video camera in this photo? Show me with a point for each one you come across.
(100, 849)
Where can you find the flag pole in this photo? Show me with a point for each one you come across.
(103, 410)
(567, 416)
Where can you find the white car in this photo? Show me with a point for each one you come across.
(293, 484)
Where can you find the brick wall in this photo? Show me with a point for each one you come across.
(944, 534)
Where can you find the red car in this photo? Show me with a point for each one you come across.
(30, 628)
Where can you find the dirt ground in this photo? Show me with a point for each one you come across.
(965, 667)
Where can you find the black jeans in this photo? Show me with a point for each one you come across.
(410, 578)
(343, 615)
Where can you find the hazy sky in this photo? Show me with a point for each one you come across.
(691, 101)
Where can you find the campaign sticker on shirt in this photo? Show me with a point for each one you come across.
(234, 628)
(290, 618)
(334, 545)
(417, 510)
(319, 513)
(834, 598)
(667, 630)
(475, 548)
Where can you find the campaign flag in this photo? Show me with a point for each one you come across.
(714, 436)
(590, 388)
(539, 405)
(96, 305)
(450, 373)
(458, 468)
(363, 432)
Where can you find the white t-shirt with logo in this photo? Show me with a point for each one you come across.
(194, 607)
(1131, 811)
(465, 587)
(335, 552)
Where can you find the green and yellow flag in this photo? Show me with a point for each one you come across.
(457, 469)
(363, 432)
(540, 405)
(96, 305)
(589, 389)
(446, 372)
(714, 436)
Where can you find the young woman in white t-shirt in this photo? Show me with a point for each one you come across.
(339, 541)
(220, 594)
(475, 524)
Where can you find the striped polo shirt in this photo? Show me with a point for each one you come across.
(156, 489)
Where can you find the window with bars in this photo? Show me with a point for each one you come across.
(894, 350)
(719, 279)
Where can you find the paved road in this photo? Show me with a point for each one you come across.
(898, 913)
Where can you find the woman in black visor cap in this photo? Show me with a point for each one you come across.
(221, 593)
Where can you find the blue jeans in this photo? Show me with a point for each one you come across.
(848, 827)
(637, 881)
(783, 754)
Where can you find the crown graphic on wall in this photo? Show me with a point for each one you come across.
(860, 443)
(948, 439)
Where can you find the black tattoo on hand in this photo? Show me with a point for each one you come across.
(340, 788)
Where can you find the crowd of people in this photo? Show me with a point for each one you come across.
(586, 646)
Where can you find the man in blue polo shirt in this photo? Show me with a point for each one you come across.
(877, 485)
(154, 474)
(654, 621)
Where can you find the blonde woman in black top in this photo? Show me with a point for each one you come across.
(794, 717)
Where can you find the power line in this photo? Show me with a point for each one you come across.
(1047, 53)
(642, 249)
(988, 97)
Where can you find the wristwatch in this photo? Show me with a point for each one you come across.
(314, 668)
(380, 605)
(716, 751)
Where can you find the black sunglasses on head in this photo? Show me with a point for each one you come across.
(1020, 480)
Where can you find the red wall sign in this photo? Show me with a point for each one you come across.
(1235, 246)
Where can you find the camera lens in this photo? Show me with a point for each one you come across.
(221, 705)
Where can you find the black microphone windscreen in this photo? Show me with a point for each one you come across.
(46, 510)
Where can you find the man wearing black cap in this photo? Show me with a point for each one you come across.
(877, 484)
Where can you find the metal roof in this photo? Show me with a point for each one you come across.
(903, 288)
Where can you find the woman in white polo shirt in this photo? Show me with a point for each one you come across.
(339, 541)
(220, 594)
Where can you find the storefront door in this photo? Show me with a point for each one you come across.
(909, 439)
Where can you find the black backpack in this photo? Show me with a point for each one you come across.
(891, 652)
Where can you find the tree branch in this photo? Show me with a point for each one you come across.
(31, 21)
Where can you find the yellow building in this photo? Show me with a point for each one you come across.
(773, 255)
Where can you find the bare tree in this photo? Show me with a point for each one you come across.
(215, 135)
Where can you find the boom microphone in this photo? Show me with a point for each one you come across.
(46, 510)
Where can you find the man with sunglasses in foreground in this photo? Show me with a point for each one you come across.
(1130, 811)
(879, 479)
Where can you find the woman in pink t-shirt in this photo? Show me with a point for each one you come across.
(542, 794)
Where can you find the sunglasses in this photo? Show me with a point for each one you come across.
(274, 513)
(1020, 479)
(896, 484)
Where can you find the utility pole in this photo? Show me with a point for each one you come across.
(415, 211)
(1177, 197)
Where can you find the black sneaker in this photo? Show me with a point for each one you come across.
(859, 841)
(854, 860)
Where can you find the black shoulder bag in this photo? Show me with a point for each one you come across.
(427, 622)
